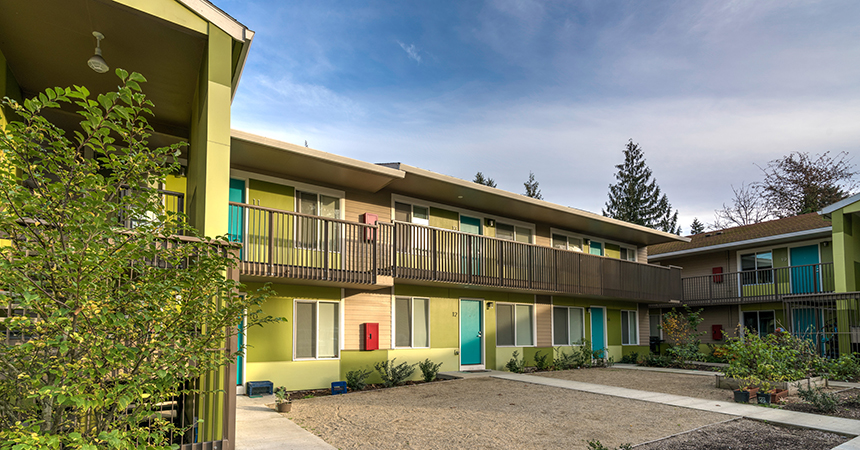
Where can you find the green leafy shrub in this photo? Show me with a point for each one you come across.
(429, 369)
(844, 368)
(822, 401)
(596, 445)
(542, 362)
(630, 358)
(515, 365)
(655, 360)
(355, 379)
(394, 375)
(281, 394)
(579, 357)
(682, 333)
(775, 357)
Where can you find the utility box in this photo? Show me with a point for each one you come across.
(370, 219)
(371, 336)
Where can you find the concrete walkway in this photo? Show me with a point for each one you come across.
(259, 427)
(847, 427)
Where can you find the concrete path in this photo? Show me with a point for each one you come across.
(259, 427)
(838, 425)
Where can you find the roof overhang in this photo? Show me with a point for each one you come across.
(828, 210)
(281, 159)
(455, 191)
(767, 240)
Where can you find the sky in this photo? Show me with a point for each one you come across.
(711, 90)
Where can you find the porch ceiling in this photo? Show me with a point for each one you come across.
(47, 43)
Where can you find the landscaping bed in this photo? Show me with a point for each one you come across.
(311, 393)
(744, 434)
(847, 405)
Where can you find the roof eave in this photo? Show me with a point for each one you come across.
(728, 245)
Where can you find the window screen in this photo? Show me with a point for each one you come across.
(524, 325)
(560, 324)
(577, 333)
(505, 325)
(305, 323)
(402, 321)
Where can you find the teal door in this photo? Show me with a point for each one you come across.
(471, 225)
(236, 220)
(804, 280)
(598, 331)
(471, 332)
(595, 248)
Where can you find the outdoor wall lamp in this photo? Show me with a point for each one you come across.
(96, 62)
(489, 305)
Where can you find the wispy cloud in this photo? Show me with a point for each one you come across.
(313, 96)
(411, 51)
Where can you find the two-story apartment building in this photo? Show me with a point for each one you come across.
(436, 266)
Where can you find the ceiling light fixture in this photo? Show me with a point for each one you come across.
(96, 62)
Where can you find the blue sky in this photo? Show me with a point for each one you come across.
(708, 89)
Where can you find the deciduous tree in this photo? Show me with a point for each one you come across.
(799, 184)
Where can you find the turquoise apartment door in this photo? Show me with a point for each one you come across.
(236, 219)
(471, 333)
(598, 330)
(471, 225)
(804, 280)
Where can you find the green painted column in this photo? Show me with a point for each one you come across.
(8, 88)
(843, 251)
(209, 151)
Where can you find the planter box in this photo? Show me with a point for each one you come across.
(791, 386)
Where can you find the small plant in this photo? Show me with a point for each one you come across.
(542, 362)
(281, 395)
(429, 369)
(630, 358)
(394, 375)
(596, 445)
(355, 379)
(655, 360)
(515, 365)
(822, 401)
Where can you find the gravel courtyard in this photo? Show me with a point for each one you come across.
(489, 413)
(698, 386)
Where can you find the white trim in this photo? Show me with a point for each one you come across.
(412, 324)
(340, 315)
(534, 324)
(482, 321)
(636, 335)
(460, 211)
(762, 240)
(787, 246)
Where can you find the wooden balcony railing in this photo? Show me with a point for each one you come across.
(279, 243)
(432, 254)
(758, 286)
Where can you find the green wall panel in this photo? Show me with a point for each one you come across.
(612, 251)
(272, 195)
(441, 218)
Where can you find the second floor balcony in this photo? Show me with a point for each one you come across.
(283, 244)
(758, 286)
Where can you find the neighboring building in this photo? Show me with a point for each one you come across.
(192, 53)
(757, 275)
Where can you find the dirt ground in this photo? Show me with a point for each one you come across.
(698, 386)
(746, 434)
(485, 413)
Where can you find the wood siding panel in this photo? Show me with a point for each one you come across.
(642, 255)
(700, 265)
(543, 314)
(725, 315)
(362, 307)
(644, 324)
(360, 202)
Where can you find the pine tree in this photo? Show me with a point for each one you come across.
(636, 198)
(696, 227)
(532, 187)
(486, 181)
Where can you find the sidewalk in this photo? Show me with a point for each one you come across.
(259, 427)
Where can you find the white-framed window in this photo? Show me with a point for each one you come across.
(564, 242)
(755, 264)
(514, 325)
(411, 322)
(310, 231)
(513, 233)
(568, 325)
(316, 329)
(417, 214)
(761, 322)
(629, 328)
(628, 254)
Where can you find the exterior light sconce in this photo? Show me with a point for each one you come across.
(489, 305)
(491, 222)
(96, 62)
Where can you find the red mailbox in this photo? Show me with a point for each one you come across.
(371, 336)
(370, 219)
(717, 332)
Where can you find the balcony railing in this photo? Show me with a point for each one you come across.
(285, 244)
(432, 254)
(758, 286)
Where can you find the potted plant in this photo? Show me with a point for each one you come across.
(746, 389)
(282, 399)
(763, 396)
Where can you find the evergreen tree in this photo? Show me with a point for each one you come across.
(696, 227)
(532, 187)
(636, 198)
(486, 181)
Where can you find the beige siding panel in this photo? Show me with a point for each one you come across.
(644, 324)
(642, 255)
(360, 202)
(366, 307)
(542, 235)
(725, 315)
(543, 313)
(700, 265)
